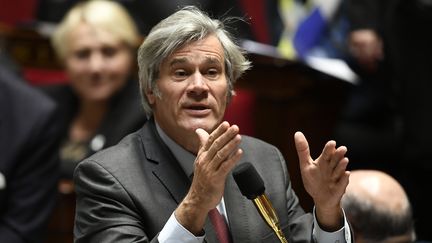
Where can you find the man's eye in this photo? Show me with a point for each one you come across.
(212, 73)
(180, 73)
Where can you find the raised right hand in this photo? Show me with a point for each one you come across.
(217, 156)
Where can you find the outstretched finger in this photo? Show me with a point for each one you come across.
(227, 166)
(328, 151)
(221, 129)
(203, 137)
(342, 183)
(340, 169)
(338, 155)
(302, 148)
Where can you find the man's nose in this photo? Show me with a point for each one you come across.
(197, 84)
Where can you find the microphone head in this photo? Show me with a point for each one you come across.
(248, 180)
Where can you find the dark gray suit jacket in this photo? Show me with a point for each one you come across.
(29, 164)
(127, 193)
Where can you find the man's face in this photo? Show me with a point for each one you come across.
(193, 89)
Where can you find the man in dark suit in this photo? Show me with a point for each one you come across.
(160, 183)
(28, 160)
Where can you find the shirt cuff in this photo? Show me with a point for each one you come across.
(339, 236)
(173, 231)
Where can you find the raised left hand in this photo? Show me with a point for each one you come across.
(325, 179)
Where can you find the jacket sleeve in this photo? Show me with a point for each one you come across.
(104, 210)
(32, 185)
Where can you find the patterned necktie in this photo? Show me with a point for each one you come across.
(220, 226)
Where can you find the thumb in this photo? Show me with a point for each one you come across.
(202, 135)
(302, 148)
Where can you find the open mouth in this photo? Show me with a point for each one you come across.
(198, 107)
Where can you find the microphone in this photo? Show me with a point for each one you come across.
(252, 187)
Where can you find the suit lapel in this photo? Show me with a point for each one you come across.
(239, 212)
(167, 169)
(247, 224)
(235, 207)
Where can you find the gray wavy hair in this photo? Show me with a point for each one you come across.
(179, 29)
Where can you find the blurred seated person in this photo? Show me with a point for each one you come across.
(378, 208)
(29, 163)
(96, 42)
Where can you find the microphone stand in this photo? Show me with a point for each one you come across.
(268, 213)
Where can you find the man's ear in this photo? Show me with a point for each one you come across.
(150, 97)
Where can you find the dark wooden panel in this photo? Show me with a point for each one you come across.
(28, 48)
(292, 97)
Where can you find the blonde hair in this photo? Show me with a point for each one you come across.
(102, 14)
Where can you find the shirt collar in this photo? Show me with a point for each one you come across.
(184, 157)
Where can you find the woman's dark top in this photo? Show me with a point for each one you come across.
(125, 115)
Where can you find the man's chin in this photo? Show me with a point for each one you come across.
(208, 126)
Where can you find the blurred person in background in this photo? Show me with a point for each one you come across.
(378, 208)
(388, 119)
(29, 165)
(96, 41)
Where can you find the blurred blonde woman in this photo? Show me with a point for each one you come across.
(96, 41)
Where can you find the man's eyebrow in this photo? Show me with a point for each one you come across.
(182, 60)
(212, 60)
(178, 60)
